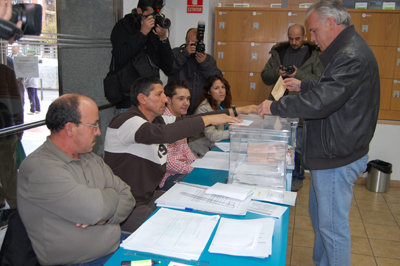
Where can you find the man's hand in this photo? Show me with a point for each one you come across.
(264, 108)
(147, 24)
(161, 32)
(248, 109)
(191, 48)
(219, 119)
(292, 84)
(5, 9)
(200, 57)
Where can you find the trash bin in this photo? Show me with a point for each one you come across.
(378, 175)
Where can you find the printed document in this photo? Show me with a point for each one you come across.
(173, 233)
(184, 196)
(253, 239)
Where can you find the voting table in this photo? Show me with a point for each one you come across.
(209, 177)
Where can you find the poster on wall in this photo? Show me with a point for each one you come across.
(194, 6)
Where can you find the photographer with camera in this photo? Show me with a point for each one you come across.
(193, 64)
(140, 45)
(295, 58)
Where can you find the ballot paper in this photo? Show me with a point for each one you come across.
(244, 122)
(173, 233)
(224, 146)
(278, 89)
(230, 191)
(254, 238)
(213, 160)
(185, 196)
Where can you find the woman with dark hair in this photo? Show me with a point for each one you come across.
(216, 95)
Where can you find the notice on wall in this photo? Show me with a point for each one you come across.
(26, 66)
(194, 6)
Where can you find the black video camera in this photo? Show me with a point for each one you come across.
(200, 46)
(161, 20)
(31, 17)
(288, 69)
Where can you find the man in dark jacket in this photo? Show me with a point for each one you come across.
(340, 111)
(138, 40)
(296, 58)
(193, 66)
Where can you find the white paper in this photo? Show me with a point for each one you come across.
(173, 233)
(183, 196)
(267, 209)
(230, 191)
(244, 122)
(267, 194)
(224, 146)
(254, 238)
(213, 160)
(26, 66)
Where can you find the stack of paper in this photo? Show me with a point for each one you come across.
(173, 233)
(184, 196)
(253, 239)
(230, 191)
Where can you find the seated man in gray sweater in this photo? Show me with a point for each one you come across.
(69, 200)
(135, 144)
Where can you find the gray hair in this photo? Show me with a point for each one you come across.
(330, 8)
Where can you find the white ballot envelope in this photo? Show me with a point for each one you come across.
(278, 89)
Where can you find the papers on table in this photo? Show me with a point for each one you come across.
(230, 191)
(272, 195)
(264, 194)
(267, 209)
(173, 233)
(183, 196)
(213, 160)
(253, 239)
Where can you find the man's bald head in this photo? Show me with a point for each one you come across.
(296, 36)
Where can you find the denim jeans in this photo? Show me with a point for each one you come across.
(331, 192)
(101, 261)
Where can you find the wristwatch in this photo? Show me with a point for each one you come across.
(234, 110)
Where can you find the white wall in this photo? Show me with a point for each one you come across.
(384, 146)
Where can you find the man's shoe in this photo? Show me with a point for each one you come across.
(296, 185)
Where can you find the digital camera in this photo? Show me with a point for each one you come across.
(31, 17)
(288, 69)
(200, 46)
(161, 20)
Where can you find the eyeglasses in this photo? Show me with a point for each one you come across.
(97, 126)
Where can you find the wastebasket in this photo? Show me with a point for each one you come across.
(378, 175)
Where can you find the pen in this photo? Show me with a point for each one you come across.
(140, 263)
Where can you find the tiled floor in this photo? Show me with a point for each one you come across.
(374, 226)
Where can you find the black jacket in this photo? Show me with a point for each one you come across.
(128, 43)
(341, 108)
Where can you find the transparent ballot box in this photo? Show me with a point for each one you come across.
(259, 152)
